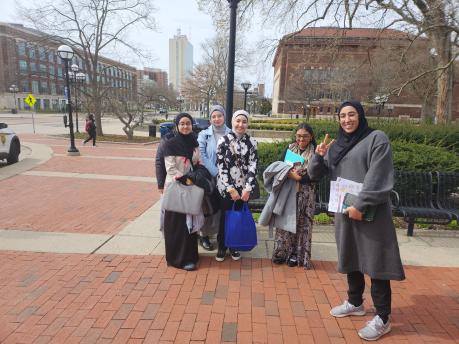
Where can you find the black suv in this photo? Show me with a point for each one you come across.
(198, 125)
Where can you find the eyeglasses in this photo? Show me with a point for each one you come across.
(299, 137)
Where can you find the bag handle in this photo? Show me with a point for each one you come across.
(245, 206)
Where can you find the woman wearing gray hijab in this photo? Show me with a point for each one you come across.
(207, 140)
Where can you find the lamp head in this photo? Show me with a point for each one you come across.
(246, 85)
(65, 52)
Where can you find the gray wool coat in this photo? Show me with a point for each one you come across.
(368, 247)
(280, 209)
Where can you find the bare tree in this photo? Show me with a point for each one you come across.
(201, 84)
(92, 26)
(129, 112)
(435, 19)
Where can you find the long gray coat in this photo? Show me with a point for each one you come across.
(368, 247)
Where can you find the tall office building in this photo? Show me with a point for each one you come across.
(180, 59)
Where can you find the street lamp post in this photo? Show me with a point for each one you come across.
(180, 100)
(66, 54)
(81, 79)
(381, 100)
(14, 89)
(231, 52)
(245, 86)
(74, 67)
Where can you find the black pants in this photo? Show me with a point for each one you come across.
(225, 204)
(380, 293)
(92, 135)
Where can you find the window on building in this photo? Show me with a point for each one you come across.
(22, 66)
(46, 104)
(59, 72)
(42, 54)
(21, 47)
(35, 87)
(33, 67)
(51, 56)
(25, 86)
(44, 87)
(32, 52)
(53, 87)
(43, 69)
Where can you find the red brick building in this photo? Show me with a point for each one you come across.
(316, 68)
(155, 76)
(28, 59)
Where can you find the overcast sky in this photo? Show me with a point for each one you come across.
(195, 24)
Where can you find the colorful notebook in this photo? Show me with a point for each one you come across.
(292, 158)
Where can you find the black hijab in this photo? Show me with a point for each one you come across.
(345, 142)
(181, 145)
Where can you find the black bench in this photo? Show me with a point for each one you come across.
(415, 202)
(322, 191)
(448, 193)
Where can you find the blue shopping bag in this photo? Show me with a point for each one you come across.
(240, 229)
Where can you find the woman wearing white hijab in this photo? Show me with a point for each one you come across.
(237, 167)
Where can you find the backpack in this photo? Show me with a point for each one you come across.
(88, 125)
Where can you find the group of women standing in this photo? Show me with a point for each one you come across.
(230, 156)
(359, 153)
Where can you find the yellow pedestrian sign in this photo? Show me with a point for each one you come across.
(30, 100)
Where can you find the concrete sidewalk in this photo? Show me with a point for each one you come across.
(143, 237)
(82, 262)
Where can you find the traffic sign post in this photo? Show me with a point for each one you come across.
(30, 100)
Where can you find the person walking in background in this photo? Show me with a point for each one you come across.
(90, 127)
(292, 242)
(236, 179)
(181, 153)
(363, 155)
(207, 140)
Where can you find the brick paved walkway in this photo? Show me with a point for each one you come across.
(60, 204)
(75, 298)
(95, 298)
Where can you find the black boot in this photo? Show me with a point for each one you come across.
(205, 243)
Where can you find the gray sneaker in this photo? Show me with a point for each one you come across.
(375, 329)
(347, 309)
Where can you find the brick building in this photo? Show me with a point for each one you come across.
(28, 59)
(316, 68)
(153, 76)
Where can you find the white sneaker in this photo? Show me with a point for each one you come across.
(375, 329)
(347, 309)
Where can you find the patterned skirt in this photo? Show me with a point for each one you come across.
(287, 244)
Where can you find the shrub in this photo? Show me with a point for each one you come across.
(421, 157)
(436, 135)
(408, 156)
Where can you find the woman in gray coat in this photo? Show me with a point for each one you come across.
(363, 155)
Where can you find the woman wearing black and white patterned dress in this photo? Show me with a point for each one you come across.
(237, 167)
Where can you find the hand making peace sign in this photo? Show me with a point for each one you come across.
(323, 147)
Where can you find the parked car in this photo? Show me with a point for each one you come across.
(198, 125)
(162, 111)
(10, 146)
